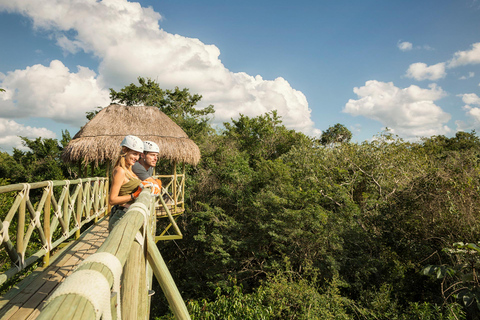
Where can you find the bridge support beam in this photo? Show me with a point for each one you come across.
(165, 279)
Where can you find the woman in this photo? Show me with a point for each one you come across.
(124, 181)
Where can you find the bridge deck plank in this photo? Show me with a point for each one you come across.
(26, 301)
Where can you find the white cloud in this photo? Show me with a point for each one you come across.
(470, 75)
(51, 92)
(405, 46)
(462, 58)
(472, 112)
(10, 130)
(470, 98)
(129, 43)
(410, 112)
(420, 71)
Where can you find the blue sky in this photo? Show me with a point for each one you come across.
(411, 66)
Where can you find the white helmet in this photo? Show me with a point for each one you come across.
(133, 143)
(150, 146)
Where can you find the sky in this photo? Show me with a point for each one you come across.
(410, 66)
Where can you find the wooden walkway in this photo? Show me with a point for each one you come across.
(26, 299)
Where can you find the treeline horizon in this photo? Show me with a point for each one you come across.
(279, 225)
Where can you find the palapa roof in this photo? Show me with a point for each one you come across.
(100, 138)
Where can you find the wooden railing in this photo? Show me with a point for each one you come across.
(173, 191)
(42, 215)
(128, 247)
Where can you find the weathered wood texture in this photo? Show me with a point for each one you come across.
(26, 299)
(119, 243)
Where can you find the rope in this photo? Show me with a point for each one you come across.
(91, 285)
(26, 191)
(4, 232)
(140, 237)
(115, 266)
(35, 222)
(20, 262)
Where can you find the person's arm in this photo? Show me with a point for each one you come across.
(118, 176)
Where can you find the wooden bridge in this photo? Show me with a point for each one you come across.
(54, 236)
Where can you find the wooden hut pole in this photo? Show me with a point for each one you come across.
(80, 168)
(183, 186)
(175, 184)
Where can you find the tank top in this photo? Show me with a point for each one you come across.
(129, 187)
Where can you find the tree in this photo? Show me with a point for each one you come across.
(40, 162)
(178, 104)
(336, 134)
(263, 137)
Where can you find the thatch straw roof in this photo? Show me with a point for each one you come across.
(100, 138)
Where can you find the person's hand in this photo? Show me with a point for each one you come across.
(154, 181)
(143, 184)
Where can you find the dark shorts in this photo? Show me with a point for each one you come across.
(116, 214)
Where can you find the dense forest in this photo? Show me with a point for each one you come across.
(280, 225)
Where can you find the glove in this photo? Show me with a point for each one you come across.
(157, 186)
(154, 181)
(143, 184)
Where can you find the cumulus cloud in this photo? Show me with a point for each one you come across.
(51, 92)
(129, 42)
(405, 46)
(420, 71)
(11, 130)
(410, 112)
(472, 111)
(461, 58)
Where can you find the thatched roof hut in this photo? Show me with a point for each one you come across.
(100, 138)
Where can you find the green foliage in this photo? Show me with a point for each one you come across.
(336, 134)
(178, 104)
(40, 162)
(460, 281)
(309, 229)
(281, 296)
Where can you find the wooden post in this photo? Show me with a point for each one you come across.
(165, 279)
(78, 214)
(183, 186)
(109, 208)
(134, 290)
(21, 227)
(46, 225)
(175, 184)
(119, 242)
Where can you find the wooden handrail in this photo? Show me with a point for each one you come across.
(52, 221)
(121, 243)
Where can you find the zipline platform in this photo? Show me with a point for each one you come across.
(26, 299)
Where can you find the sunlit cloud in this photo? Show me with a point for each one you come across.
(11, 130)
(420, 71)
(410, 111)
(51, 92)
(405, 46)
(129, 42)
(461, 58)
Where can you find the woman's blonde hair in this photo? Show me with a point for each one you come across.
(121, 163)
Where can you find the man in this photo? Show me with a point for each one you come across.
(143, 168)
